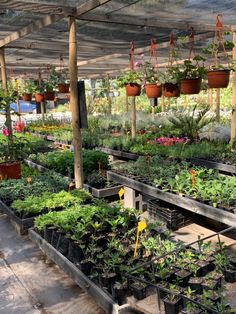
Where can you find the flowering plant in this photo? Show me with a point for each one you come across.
(169, 141)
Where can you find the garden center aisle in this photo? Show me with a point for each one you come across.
(28, 285)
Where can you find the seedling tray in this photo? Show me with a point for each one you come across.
(192, 205)
(102, 193)
(99, 295)
(119, 154)
(22, 225)
(228, 169)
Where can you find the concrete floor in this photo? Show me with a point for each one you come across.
(31, 285)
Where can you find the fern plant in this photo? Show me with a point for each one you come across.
(190, 123)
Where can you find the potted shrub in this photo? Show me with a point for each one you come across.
(131, 80)
(152, 86)
(170, 80)
(11, 147)
(51, 83)
(191, 75)
(62, 81)
(29, 88)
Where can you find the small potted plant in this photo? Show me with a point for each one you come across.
(39, 93)
(131, 80)
(62, 81)
(170, 80)
(152, 86)
(29, 88)
(51, 83)
(218, 74)
(191, 75)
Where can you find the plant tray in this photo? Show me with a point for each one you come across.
(119, 154)
(228, 169)
(192, 205)
(174, 217)
(99, 295)
(102, 193)
(22, 225)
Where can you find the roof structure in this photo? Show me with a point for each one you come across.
(35, 32)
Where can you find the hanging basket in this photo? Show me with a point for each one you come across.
(218, 78)
(11, 170)
(27, 97)
(171, 90)
(133, 89)
(49, 95)
(153, 90)
(39, 97)
(63, 88)
(190, 86)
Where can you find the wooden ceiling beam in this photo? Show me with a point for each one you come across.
(89, 5)
(33, 27)
(155, 23)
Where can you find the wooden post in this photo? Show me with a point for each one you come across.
(108, 94)
(133, 118)
(4, 86)
(233, 118)
(162, 103)
(126, 103)
(218, 104)
(77, 141)
(210, 98)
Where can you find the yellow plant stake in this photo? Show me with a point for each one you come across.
(121, 193)
(141, 226)
(193, 173)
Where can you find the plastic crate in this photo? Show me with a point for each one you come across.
(173, 216)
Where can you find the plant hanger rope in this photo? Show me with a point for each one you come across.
(218, 40)
(191, 42)
(172, 56)
(153, 53)
(131, 56)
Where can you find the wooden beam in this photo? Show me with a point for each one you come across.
(149, 22)
(88, 6)
(40, 8)
(77, 140)
(33, 27)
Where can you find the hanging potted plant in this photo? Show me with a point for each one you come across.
(50, 83)
(29, 88)
(39, 94)
(191, 75)
(11, 148)
(62, 81)
(170, 80)
(131, 80)
(152, 86)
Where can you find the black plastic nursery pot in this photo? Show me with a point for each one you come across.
(183, 276)
(211, 284)
(230, 274)
(120, 294)
(173, 307)
(139, 290)
(48, 232)
(75, 253)
(195, 283)
(195, 311)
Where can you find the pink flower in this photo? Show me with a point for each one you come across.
(5, 132)
(20, 126)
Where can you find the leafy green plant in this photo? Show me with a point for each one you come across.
(129, 77)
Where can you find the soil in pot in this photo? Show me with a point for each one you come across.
(171, 90)
(230, 274)
(139, 290)
(183, 276)
(11, 170)
(190, 86)
(211, 284)
(173, 305)
(75, 253)
(195, 284)
(218, 78)
(133, 89)
(153, 90)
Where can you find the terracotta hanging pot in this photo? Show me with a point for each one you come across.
(27, 96)
(133, 89)
(218, 78)
(11, 170)
(63, 88)
(39, 97)
(171, 90)
(49, 95)
(190, 86)
(153, 90)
